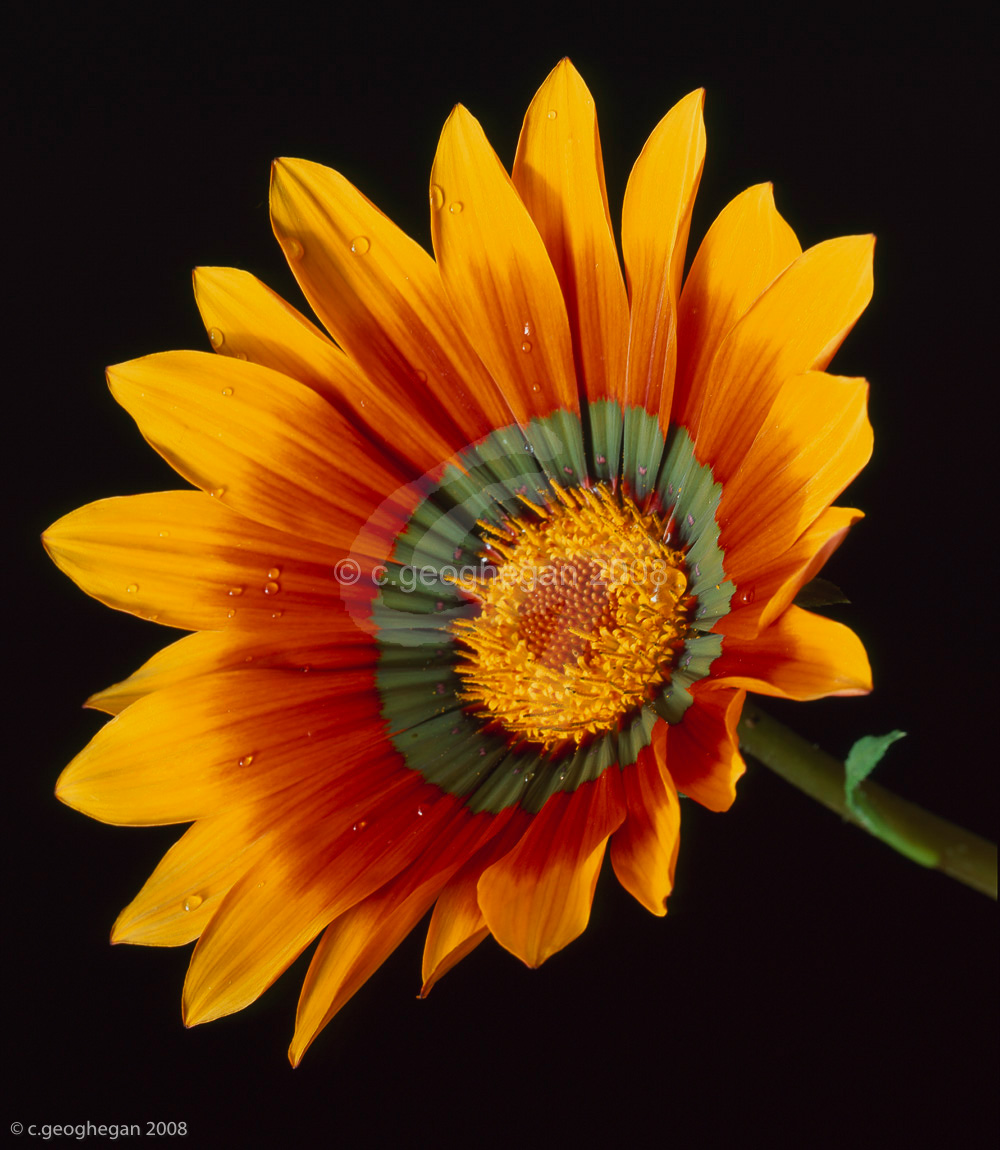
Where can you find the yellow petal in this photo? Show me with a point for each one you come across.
(380, 296)
(744, 250)
(800, 656)
(498, 274)
(211, 743)
(795, 326)
(333, 643)
(644, 848)
(181, 895)
(815, 440)
(537, 898)
(181, 558)
(559, 174)
(356, 944)
(775, 584)
(656, 218)
(318, 867)
(264, 445)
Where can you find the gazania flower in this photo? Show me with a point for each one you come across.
(479, 579)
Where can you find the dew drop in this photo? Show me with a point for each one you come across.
(236, 590)
(746, 596)
(293, 249)
(360, 245)
(274, 572)
(132, 588)
(420, 812)
(164, 534)
(217, 492)
(526, 346)
(437, 197)
(227, 391)
(230, 614)
(602, 459)
(553, 114)
(271, 588)
(248, 658)
(360, 824)
(455, 207)
(215, 337)
(241, 355)
(276, 614)
(246, 760)
(534, 387)
(422, 376)
(193, 901)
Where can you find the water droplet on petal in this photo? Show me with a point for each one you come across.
(227, 391)
(217, 492)
(455, 207)
(422, 376)
(746, 596)
(293, 249)
(215, 337)
(437, 197)
(602, 459)
(193, 901)
(235, 590)
(230, 614)
(132, 588)
(553, 113)
(274, 572)
(241, 355)
(246, 760)
(271, 588)
(360, 824)
(526, 346)
(164, 534)
(360, 245)
(276, 614)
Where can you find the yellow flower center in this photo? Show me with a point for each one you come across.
(580, 620)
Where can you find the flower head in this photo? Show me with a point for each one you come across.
(478, 584)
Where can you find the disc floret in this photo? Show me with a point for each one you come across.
(581, 620)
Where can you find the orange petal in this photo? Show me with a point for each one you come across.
(457, 925)
(559, 174)
(795, 326)
(775, 584)
(356, 944)
(380, 296)
(537, 898)
(644, 848)
(264, 445)
(656, 217)
(315, 869)
(181, 558)
(498, 274)
(800, 656)
(747, 246)
(335, 643)
(181, 895)
(814, 442)
(245, 319)
(208, 744)
(702, 751)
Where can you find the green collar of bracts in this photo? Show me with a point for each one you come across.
(426, 719)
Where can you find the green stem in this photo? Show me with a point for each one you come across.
(935, 841)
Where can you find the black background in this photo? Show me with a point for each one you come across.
(808, 987)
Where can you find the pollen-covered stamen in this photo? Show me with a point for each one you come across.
(581, 621)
